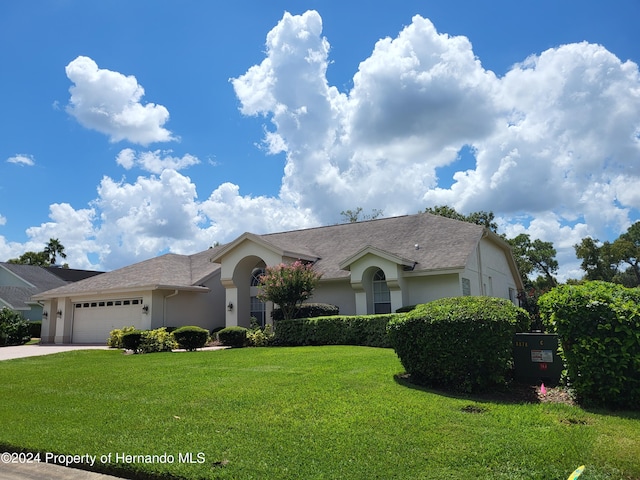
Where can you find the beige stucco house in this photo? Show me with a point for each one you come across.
(367, 267)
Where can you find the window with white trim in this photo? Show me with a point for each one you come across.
(381, 294)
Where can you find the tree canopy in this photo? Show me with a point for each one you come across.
(47, 257)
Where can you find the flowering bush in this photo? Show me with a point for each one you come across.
(288, 286)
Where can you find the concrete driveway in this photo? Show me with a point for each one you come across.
(20, 351)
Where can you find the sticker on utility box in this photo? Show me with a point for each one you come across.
(542, 356)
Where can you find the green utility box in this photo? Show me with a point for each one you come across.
(535, 358)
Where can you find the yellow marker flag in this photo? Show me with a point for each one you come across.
(576, 473)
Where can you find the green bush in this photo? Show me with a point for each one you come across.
(191, 338)
(35, 329)
(233, 336)
(260, 337)
(365, 330)
(158, 340)
(460, 343)
(598, 325)
(14, 328)
(406, 309)
(115, 336)
(132, 340)
(309, 310)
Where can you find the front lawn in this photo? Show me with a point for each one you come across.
(302, 412)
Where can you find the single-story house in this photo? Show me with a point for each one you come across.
(18, 283)
(374, 266)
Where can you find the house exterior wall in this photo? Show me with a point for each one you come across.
(336, 292)
(489, 273)
(423, 289)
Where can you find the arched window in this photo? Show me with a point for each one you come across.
(381, 295)
(258, 308)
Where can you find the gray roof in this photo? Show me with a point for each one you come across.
(38, 279)
(443, 244)
(169, 271)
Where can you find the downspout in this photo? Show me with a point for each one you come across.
(164, 306)
(480, 275)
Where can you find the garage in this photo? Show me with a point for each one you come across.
(93, 320)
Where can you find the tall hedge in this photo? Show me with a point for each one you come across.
(14, 328)
(459, 343)
(365, 330)
(598, 325)
(309, 310)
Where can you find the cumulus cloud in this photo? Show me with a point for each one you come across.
(154, 162)
(22, 159)
(557, 136)
(555, 143)
(3, 220)
(110, 102)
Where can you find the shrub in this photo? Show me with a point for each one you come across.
(461, 343)
(260, 337)
(35, 329)
(233, 336)
(131, 340)
(158, 340)
(309, 310)
(191, 338)
(598, 326)
(406, 309)
(14, 328)
(365, 330)
(115, 336)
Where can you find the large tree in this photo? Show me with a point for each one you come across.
(288, 285)
(535, 257)
(45, 258)
(603, 261)
(486, 219)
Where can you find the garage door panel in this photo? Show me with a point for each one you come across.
(92, 321)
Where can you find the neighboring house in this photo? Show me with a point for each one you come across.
(367, 267)
(18, 283)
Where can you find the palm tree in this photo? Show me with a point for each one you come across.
(53, 248)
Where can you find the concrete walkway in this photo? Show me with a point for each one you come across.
(20, 351)
(47, 471)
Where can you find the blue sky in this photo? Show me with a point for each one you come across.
(132, 128)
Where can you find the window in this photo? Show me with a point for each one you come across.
(258, 310)
(466, 287)
(255, 276)
(381, 294)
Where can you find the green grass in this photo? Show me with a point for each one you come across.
(305, 412)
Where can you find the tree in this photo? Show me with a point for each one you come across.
(53, 248)
(353, 216)
(535, 256)
(288, 285)
(602, 262)
(598, 261)
(40, 259)
(486, 219)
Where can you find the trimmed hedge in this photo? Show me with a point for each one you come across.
(233, 336)
(14, 328)
(598, 325)
(132, 340)
(191, 337)
(365, 330)
(460, 343)
(309, 310)
(35, 329)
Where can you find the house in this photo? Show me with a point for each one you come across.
(374, 266)
(18, 283)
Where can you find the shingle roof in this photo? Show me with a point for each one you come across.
(443, 243)
(167, 271)
(38, 278)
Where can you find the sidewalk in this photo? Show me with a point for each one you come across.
(47, 471)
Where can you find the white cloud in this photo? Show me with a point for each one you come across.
(109, 102)
(3, 220)
(555, 139)
(154, 162)
(22, 159)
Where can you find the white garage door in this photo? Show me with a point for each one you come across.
(93, 320)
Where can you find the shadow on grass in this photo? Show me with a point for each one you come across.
(515, 393)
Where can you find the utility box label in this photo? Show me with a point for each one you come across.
(542, 356)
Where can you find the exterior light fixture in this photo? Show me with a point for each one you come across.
(45, 314)
(145, 309)
(230, 306)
